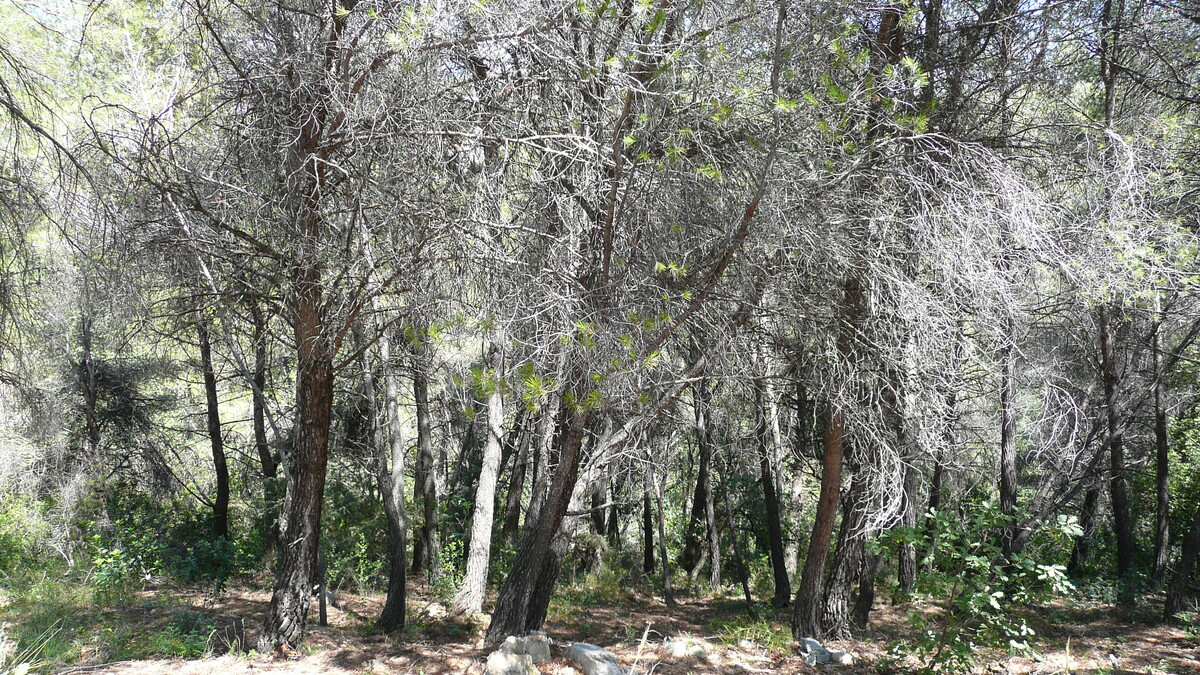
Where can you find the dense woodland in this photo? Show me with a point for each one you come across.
(814, 304)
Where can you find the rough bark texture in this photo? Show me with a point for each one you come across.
(516, 489)
(220, 504)
(391, 488)
(1162, 467)
(806, 614)
(288, 612)
(848, 561)
(517, 606)
(469, 599)
(906, 563)
(1008, 445)
(647, 532)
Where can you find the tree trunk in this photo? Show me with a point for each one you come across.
(268, 466)
(1008, 444)
(519, 608)
(391, 489)
(668, 592)
(516, 489)
(1122, 526)
(1162, 466)
(800, 436)
(783, 586)
(806, 614)
(1087, 526)
(1177, 592)
(220, 504)
(470, 597)
(540, 483)
(702, 497)
(288, 612)
(426, 549)
(647, 530)
(906, 564)
(848, 561)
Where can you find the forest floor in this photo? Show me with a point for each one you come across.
(1071, 637)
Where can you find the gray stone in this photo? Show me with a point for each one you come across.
(814, 653)
(506, 663)
(841, 658)
(536, 646)
(686, 648)
(593, 660)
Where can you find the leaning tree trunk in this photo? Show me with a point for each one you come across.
(220, 504)
(783, 586)
(288, 612)
(519, 606)
(469, 599)
(848, 561)
(1087, 527)
(425, 546)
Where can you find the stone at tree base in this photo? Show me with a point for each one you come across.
(593, 660)
(536, 646)
(814, 652)
(506, 663)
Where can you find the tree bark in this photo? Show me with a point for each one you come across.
(701, 497)
(906, 564)
(469, 599)
(783, 586)
(1177, 592)
(806, 614)
(519, 608)
(268, 466)
(1008, 445)
(288, 612)
(220, 504)
(426, 549)
(647, 530)
(848, 561)
(1162, 467)
(391, 489)
(1122, 526)
(516, 488)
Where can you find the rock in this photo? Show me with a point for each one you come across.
(814, 652)
(506, 663)
(593, 660)
(685, 648)
(436, 610)
(536, 646)
(841, 658)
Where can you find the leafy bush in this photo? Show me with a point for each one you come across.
(214, 561)
(979, 586)
(127, 555)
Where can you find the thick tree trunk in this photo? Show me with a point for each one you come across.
(470, 597)
(520, 607)
(1177, 592)
(848, 561)
(783, 586)
(806, 614)
(1122, 526)
(426, 549)
(220, 504)
(288, 612)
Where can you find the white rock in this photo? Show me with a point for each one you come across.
(536, 646)
(686, 648)
(593, 660)
(506, 663)
(841, 658)
(814, 652)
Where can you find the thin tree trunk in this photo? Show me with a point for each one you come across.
(647, 529)
(1087, 526)
(516, 489)
(540, 483)
(783, 586)
(906, 564)
(426, 548)
(1162, 466)
(701, 497)
(1177, 592)
(391, 489)
(1122, 525)
(800, 430)
(220, 504)
(668, 592)
(1008, 444)
(266, 459)
(469, 599)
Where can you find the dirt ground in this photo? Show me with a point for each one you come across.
(1073, 638)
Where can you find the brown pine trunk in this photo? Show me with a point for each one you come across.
(848, 561)
(516, 489)
(469, 599)
(288, 612)
(647, 532)
(220, 504)
(806, 614)
(1008, 444)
